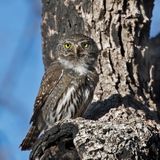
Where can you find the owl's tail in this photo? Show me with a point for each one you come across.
(30, 138)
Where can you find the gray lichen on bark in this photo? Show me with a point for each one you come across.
(114, 136)
(124, 118)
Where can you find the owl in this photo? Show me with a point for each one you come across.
(67, 86)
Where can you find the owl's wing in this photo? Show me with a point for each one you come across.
(49, 81)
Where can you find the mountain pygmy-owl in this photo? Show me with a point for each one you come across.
(67, 86)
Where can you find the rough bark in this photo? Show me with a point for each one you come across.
(115, 136)
(125, 105)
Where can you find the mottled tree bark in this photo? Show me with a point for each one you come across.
(123, 120)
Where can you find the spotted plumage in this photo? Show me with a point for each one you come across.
(67, 86)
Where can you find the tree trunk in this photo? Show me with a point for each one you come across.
(122, 122)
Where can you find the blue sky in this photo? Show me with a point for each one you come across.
(21, 70)
(155, 26)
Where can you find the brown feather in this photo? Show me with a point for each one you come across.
(30, 138)
(48, 83)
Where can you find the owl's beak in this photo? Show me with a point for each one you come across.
(77, 51)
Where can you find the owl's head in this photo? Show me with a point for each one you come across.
(77, 52)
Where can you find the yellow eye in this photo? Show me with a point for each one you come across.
(85, 45)
(67, 45)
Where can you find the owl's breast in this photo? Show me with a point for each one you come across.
(79, 68)
(69, 99)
